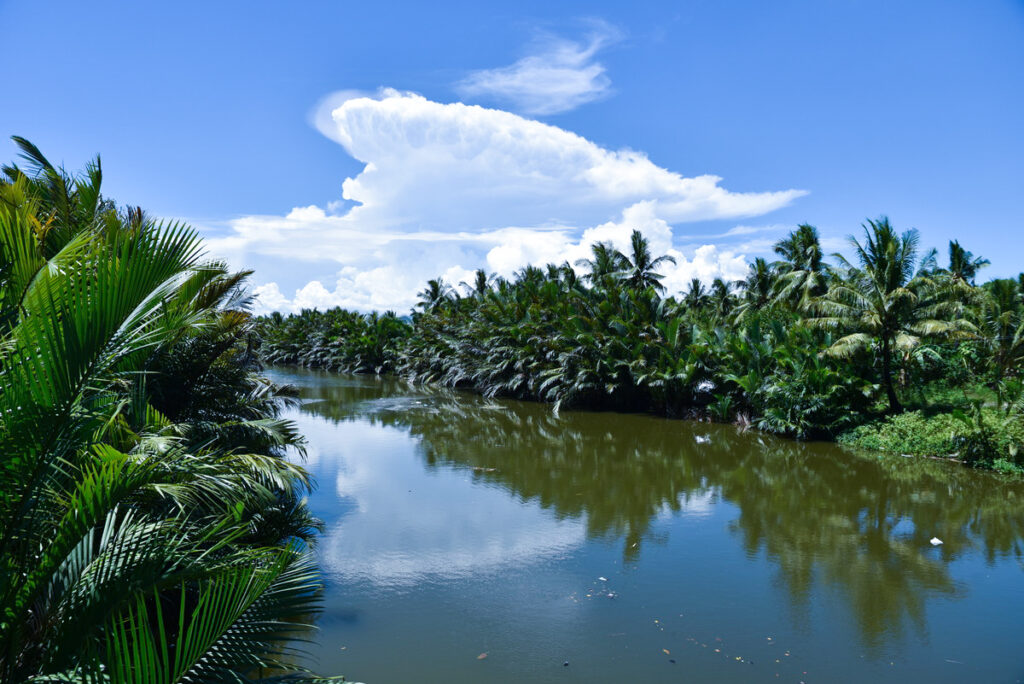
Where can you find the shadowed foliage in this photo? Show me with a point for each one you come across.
(151, 529)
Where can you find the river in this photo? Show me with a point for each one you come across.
(475, 540)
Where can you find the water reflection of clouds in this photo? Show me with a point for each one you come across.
(406, 524)
(502, 486)
(698, 504)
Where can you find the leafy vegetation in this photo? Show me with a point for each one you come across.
(336, 340)
(804, 346)
(151, 529)
(981, 436)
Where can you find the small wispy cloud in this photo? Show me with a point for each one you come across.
(739, 231)
(750, 230)
(559, 75)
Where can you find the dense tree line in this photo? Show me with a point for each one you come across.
(805, 346)
(151, 528)
(335, 339)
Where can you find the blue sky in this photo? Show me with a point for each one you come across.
(594, 118)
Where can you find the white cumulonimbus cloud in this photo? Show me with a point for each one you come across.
(558, 76)
(447, 188)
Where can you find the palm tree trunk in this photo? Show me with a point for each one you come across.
(890, 390)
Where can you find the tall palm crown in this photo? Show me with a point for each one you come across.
(696, 296)
(568, 277)
(480, 285)
(434, 295)
(604, 264)
(722, 297)
(963, 265)
(802, 267)
(640, 265)
(758, 289)
(885, 299)
(531, 276)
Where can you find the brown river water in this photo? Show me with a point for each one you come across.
(474, 540)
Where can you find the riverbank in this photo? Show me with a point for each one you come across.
(458, 525)
(960, 436)
(932, 434)
(800, 347)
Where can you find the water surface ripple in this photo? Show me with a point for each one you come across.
(639, 549)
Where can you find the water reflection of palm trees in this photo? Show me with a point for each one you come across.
(858, 525)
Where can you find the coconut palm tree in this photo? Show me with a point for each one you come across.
(436, 294)
(963, 265)
(696, 296)
(604, 265)
(802, 268)
(640, 264)
(884, 300)
(722, 298)
(758, 289)
(568, 277)
(481, 284)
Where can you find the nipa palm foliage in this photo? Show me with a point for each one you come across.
(142, 538)
(335, 339)
(603, 342)
(800, 346)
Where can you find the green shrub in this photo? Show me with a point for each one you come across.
(984, 437)
(907, 433)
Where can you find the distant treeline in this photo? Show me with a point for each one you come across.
(801, 346)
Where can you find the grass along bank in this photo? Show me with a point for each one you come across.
(983, 436)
